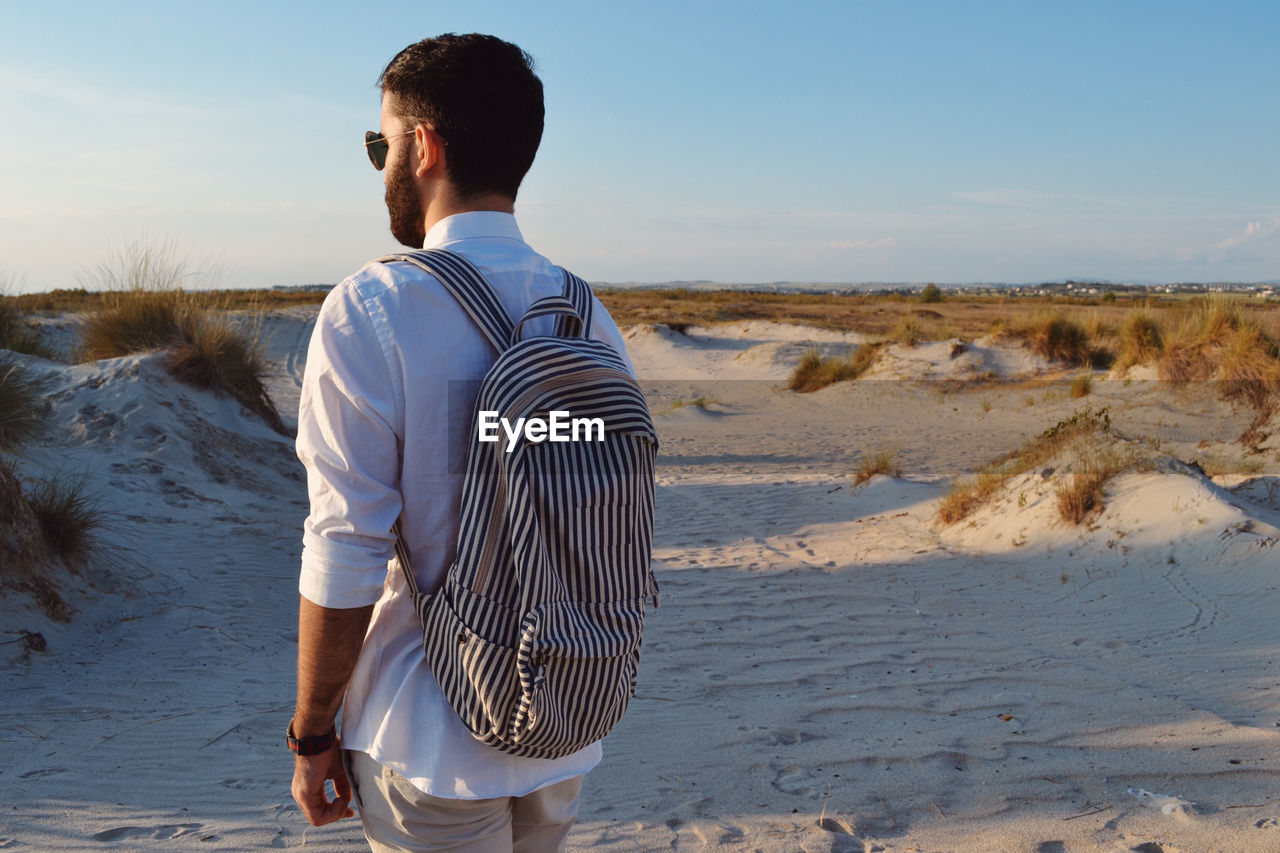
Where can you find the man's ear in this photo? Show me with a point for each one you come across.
(430, 151)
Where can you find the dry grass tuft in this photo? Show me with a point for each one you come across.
(700, 402)
(1141, 340)
(21, 547)
(135, 321)
(909, 331)
(1249, 367)
(16, 335)
(968, 494)
(1214, 341)
(815, 372)
(21, 406)
(1057, 338)
(145, 310)
(882, 461)
(1081, 386)
(1082, 495)
(67, 517)
(213, 355)
(24, 554)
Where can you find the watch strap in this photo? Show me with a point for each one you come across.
(314, 745)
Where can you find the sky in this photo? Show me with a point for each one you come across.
(727, 141)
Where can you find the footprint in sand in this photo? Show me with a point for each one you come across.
(167, 831)
(797, 782)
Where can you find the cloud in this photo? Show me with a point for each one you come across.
(882, 243)
(1253, 231)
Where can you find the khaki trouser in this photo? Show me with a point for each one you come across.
(399, 817)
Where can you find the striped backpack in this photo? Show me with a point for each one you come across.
(535, 635)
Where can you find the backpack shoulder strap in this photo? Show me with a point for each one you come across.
(466, 284)
(578, 292)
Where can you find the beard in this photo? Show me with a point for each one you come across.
(404, 206)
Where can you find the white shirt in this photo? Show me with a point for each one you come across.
(379, 437)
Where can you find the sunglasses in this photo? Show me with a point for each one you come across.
(377, 146)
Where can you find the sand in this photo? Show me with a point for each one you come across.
(830, 669)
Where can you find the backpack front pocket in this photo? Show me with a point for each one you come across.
(476, 669)
(577, 666)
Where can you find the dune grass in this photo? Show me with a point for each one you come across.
(68, 517)
(970, 493)
(18, 543)
(145, 309)
(16, 334)
(1081, 495)
(25, 559)
(909, 331)
(1058, 338)
(1214, 341)
(22, 412)
(815, 372)
(1141, 340)
(703, 402)
(880, 461)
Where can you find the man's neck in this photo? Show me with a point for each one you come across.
(447, 204)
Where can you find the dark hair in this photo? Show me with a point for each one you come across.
(478, 92)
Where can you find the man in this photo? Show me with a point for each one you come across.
(381, 439)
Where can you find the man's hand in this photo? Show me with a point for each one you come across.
(310, 772)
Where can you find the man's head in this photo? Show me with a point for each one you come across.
(481, 97)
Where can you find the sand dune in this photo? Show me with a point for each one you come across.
(831, 668)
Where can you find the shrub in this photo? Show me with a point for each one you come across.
(815, 372)
(145, 310)
(21, 406)
(931, 293)
(883, 461)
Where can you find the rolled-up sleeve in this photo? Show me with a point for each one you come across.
(348, 439)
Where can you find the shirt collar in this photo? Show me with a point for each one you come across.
(475, 223)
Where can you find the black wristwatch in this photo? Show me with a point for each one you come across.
(313, 745)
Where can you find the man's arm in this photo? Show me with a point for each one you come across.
(329, 642)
